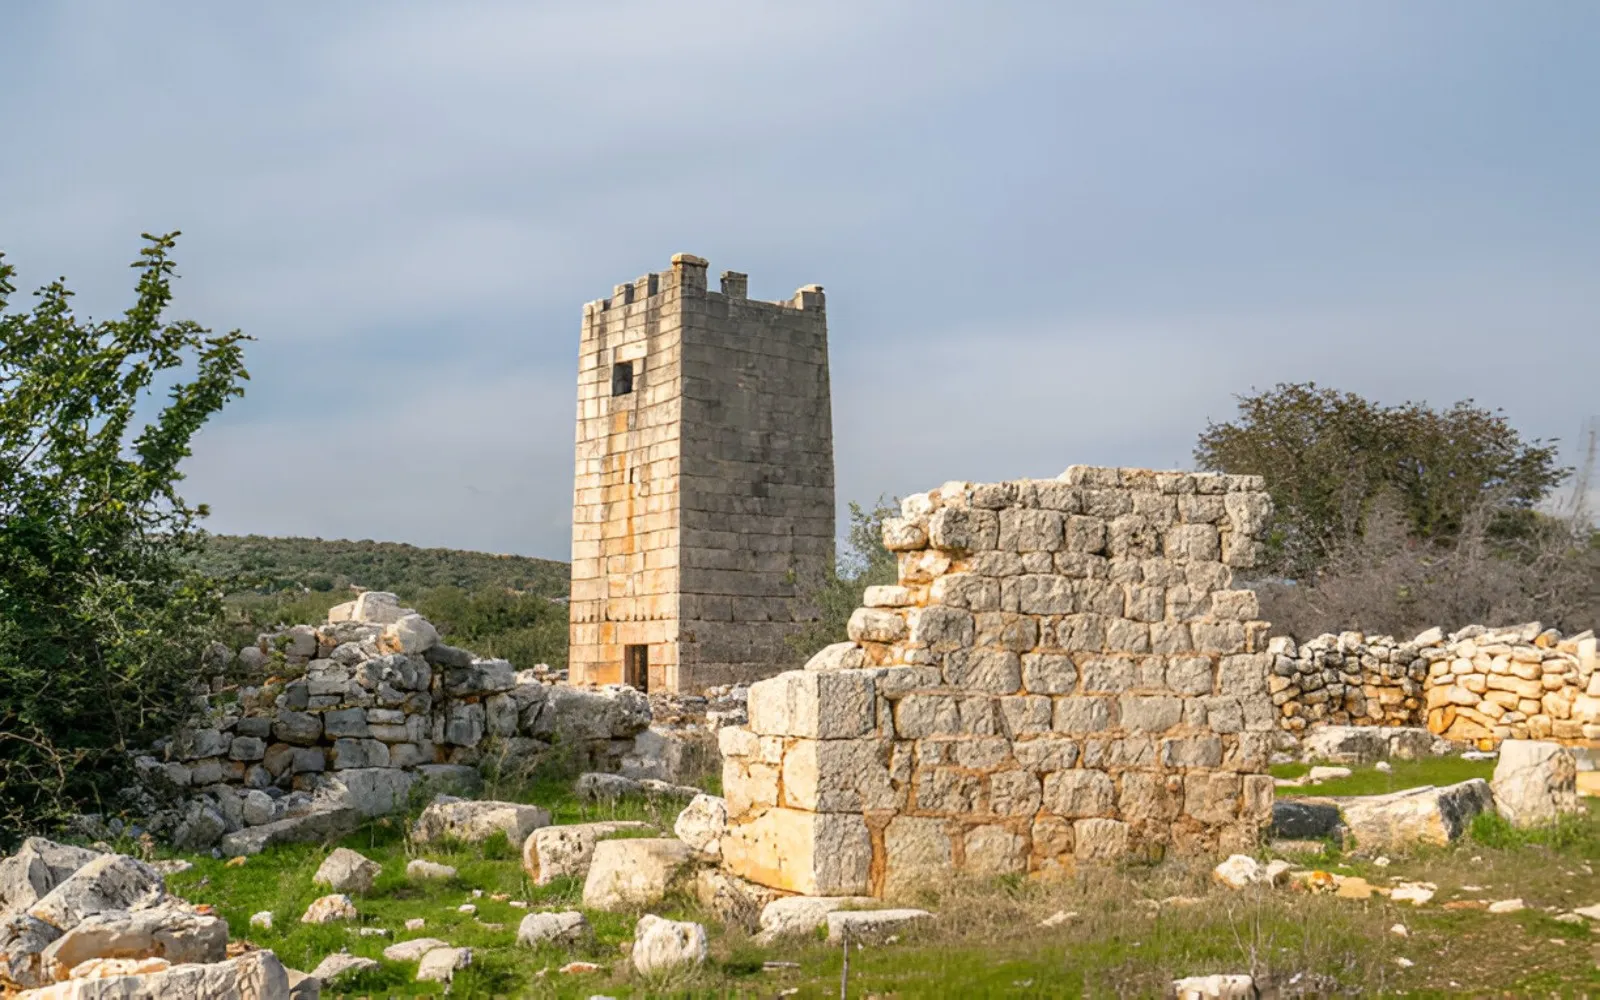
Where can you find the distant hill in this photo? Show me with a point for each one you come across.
(258, 564)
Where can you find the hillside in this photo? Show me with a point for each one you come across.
(255, 563)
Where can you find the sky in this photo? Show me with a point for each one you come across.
(1050, 232)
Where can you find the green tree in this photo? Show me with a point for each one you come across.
(864, 563)
(1329, 456)
(102, 618)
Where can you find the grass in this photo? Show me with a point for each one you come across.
(1139, 926)
(1368, 780)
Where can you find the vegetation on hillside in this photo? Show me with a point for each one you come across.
(254, 563)
(102, 615)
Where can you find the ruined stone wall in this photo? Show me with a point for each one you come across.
(704, 500)
(360, 711)
(1061, 675)
(1476, 685)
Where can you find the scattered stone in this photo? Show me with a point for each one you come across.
(347, 871)
(567, 928)
(179, 936)
(1426, 815)
(476, 821)
(868, 925)
(440, 964)
(803, 914)
(577, 968)
(413, 950)
(1058, 918)
(1507, 906)
(254, 975)
(1535, 782)
(1352, 887)
(416, 924)
(328, 909)
(341, 964)
(1238, 871)
(1221, 986)
(1309, 821)
(1588, 912)
(262, 920)
(1324, 773)
(660, 945)
(702, 824)
(172, 866)
(1415, 893)
(108, 882)
(552, 852)
(632, 874)
(1399, 930)
(1403, 962)
(467, 908)
(421, 869)
(737, 902)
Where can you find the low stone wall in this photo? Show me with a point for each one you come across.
(1476, 685)
(1062, 675)
(359, 712)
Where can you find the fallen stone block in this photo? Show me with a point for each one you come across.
(1426, 815)
(320, 825)
(476, 821)
(419, 868)
(804, 914)
(632, 874)
(702, 824)
(1221, 986)
(736, 901)
(552, 852)
(38, 866)
(341, 965)
(440, 964)
(347, 871)
(1535, 783)
(567, 928)
(256, 975)
(327, 909)
(413, 950)
(661, 945)
(109, 882)
(871, 925)
(179, 936)
(1305, 820)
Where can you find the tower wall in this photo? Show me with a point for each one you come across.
(704, 499)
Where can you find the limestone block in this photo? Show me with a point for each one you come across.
(409, 634)
(966, 590)
(994, 850)
(422, 870)
(871, 925)
(625, 874)
(993, 670)
(903, 535)
(476, 821)
(1106, 674)
(960, 530)
(568, 928)
(1043, 754)
(838, 776)
(702, 823)
(328, 909)
(804, 852)
(940, 628)
(875, 625)
(797, 915)
(1150, 713)
(917, 850)
(1082, 714)
(553, 852)
(107, 882)
(439, 965)
(1426, 815)
(370, 791)
(835, 704)
(1099, 839)
(377, 606)
(661, 945)
(839, 656)
(1048, 673)
(325, 823)
(347, 871)
(1078, 793)
(1534, 783)
(38, 866)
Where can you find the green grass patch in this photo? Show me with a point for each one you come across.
(1403, 774)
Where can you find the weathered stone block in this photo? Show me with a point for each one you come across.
(837, 704)
(810, 853)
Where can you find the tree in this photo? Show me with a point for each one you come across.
(1329, 456)
(864, 563)
(102, 617)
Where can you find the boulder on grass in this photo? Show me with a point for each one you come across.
(803, 914)
(552, 852)
(440, 964)
(339, 965)
(632, 874)
(661, 945)
(702, 824)
(871, 925)
(255, 975)
(1535, 783)
(347, 871)
(475, 822)
(1427, 815)
(567, 928)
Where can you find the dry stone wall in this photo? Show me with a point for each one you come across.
(359, 712)
(1477, 685)
(1063, 674)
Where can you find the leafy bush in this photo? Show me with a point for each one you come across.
(102, 615)
(864, 563)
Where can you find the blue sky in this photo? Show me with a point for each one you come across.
(1050, 232)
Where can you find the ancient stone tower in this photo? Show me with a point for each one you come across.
(703, 506)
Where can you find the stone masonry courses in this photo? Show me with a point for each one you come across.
(1062, 674)
(704, 503)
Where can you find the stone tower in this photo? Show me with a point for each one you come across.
(703, 504)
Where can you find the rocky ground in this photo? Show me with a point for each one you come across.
(605, 886)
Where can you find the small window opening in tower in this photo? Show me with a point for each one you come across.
(622, 378)
(636, 667)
